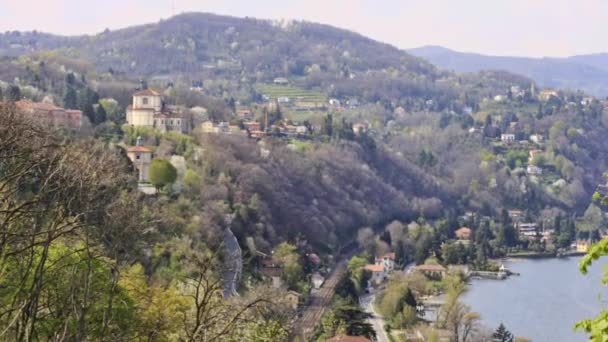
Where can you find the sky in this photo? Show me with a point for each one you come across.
(533, 28)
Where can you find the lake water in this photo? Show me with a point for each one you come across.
(544, 302)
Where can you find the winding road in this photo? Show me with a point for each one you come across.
(376, 320)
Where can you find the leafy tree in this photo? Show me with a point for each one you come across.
(162, 173)
(286, 254)
(502, 334)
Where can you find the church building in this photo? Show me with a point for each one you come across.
(149, 110)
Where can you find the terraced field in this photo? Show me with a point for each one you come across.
(295, 94)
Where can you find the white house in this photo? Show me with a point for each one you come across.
(534, 170)
(378, 274)
(141, 158)
(334, 102)
(507, 137)
(317, 280)
(536, 138)
(387, 261)
(281, 81)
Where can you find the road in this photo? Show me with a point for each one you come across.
(376, 320)
(319, 302)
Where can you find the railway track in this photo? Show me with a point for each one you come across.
(321, 300)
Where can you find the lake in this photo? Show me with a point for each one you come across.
(544, 302)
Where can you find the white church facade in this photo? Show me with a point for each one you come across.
(149, 110)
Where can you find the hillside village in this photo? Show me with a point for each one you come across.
(373, 178)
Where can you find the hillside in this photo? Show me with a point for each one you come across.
(586, 72)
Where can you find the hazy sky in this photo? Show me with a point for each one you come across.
(501, 27)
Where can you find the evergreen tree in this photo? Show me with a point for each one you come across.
(328, 125)
(100, 115)
(1, 95)
(502, 334)
(70, 99)
(70, 79)
(89, 112)
(13, 93)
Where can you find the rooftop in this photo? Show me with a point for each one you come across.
(147, 92)
(138, 149)
(374, 268)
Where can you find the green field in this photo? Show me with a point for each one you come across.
(295, 94)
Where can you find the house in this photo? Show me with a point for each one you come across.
(586, 101)
(252, 126)
(208, 127)
(334, 102)
(387, 261)
(141, 158)
(347, 338)
(463, 233)
(515, 214)
(432, 271)
(293, 299)
(257, 134)
(536, 138)
(359, 128)
(378, 274)
(51, 115)
(274, 273)
(582, 246)
(507, 137)
(219, 128)
(548, 93)
(149, 110)
(527, 230)
(534, 170)
(283, 99)
(499, 98)
(301, 129)
(400, 111)
(280, 81)
(244, 114)
(317, 280)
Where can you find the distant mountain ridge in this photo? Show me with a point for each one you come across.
(585, 72)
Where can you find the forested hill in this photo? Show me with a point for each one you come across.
(194, 41)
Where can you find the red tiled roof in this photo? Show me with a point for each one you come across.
(138, 149)
(147, 92)
(346, 338)
(374, 268)
(463, 233)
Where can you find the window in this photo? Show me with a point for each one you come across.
(137, 156)
(144, 100)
